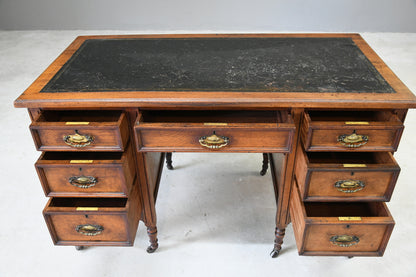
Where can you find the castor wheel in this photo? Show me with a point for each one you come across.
(350, 257)
(151, 249)
(79, 247)
(274, 253)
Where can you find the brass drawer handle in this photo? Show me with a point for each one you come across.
(78, 140)
(89, 229)
(344, 240)
(213, 141)
(83, 181)
(353, 140)
(349, 186)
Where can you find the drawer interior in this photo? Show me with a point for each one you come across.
(337, 209)
(373, 116)
(378, 158)
(77, 115)
(88, 202)
(213, 116)
(63, 156)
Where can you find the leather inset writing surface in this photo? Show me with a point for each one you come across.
(219, 64)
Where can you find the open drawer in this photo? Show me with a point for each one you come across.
(346, 176)
(340, 228)
(93, 221)
(74, 130)
(214, 130)
(351, 130)
(86, 174)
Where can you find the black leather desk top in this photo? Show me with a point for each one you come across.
(219, 64)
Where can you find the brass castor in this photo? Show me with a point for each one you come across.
(274, 253)
(151, 249)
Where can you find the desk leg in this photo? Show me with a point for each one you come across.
(265, 164)
(169, 160)
(282, 169)
(153, 165)
(278, 168)
(149, 169)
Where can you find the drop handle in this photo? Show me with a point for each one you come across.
(344, 240)
(89, 229)
(83, 181)
(78, 140)
(353, 141)
(214, 141)
(349, 186)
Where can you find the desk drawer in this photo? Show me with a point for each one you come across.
(86, 174)
(346, 176)
(93, 221)
(340, 228)
(351, 130)
(206, 131)
(80, 131)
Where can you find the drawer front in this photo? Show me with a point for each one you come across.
(80, 180)
(80, 136)
(99, 228)
(200, 139)
(87, 178)
(356, 139)
(94, 221)
(346, 131)
(340, 229)
(342, 239)
(330, 177)
(348, 185)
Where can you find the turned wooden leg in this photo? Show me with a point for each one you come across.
(169, 160)
(265, 164)
(152, 233)
(278, 241)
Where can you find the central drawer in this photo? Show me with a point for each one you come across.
(206, 131)
(340, 228)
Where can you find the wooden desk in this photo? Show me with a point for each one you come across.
(109, 107)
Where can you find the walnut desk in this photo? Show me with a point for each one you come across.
(107, 110)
